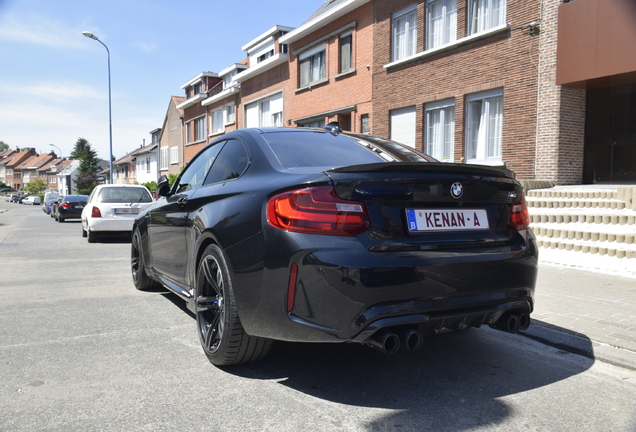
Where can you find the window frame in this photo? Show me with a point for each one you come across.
(482, 153)
(199, 129)
(410, 31)
(489, 22)
(320, 53)
(349, 52)
(449, 29)
(446, 108)
(163, 158)
(173, 155)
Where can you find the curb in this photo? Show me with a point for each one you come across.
(579, 344)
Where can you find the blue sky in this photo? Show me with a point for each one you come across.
(54, 81)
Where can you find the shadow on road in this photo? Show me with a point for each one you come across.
(454, 383)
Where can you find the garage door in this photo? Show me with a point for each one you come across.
(403, 126)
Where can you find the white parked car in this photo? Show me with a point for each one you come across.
(113, 209)
(32, 200)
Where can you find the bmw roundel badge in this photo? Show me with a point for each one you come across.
(457, 190)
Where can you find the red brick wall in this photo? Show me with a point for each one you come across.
(506, 60)
(350, 89)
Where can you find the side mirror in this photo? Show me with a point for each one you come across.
(163, 186)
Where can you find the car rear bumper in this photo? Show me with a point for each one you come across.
(111, 224)
(344, 293)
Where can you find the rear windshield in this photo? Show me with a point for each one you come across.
(124, 195)
(322, 149)
(75, 198)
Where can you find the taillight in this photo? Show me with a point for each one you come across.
(317, 210)
(519, 216)
(66, 206)
(95, 212)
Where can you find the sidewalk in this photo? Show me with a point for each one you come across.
(588, 313)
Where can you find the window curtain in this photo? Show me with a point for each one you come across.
(404, 35)
(486, 128)
(345, 53)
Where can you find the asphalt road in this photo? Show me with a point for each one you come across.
(82, 350)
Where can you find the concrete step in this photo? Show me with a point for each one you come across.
(587, 232)
(611, 249)
(578, 215)
(590, 203)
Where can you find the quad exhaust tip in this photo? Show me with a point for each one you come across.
(512, 322)
(390, 342)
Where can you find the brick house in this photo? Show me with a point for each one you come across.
(29, 168)
(170, 150)
(195, 131)
(4, 158)
(14, 179)
(223, 100)
(330, 58)
(545, 87)
(263, 82)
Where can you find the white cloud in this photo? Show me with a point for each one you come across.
(146, 46)
(40, 30)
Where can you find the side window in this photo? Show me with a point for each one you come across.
(196, 171)
(230, 164)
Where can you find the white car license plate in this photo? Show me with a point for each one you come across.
(428, 220)
(126, 211)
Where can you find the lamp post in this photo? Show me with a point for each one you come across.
(110, 117)
(58, 173)
(58, 149)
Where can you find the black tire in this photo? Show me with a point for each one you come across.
(221, 333)
(60, 219)
(141, 280)
(91, 236)
(83, 232)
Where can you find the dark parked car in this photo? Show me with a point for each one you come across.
(310, 235)
(54, 205)
(70, 207)
(17, 199)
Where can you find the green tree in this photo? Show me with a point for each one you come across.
(35, 186)
(86, 180)
(3, 146)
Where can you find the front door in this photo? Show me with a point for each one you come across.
(610, 135)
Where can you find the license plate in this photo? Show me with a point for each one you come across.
(126, 211)
(429, 220)
(79, 206)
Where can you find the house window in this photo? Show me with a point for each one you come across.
(346, 53)
(266, 112)
(316, 124)
(199, 129)
(365, 127)
(404, 33)
(197, 88)
(174, 155)
(53, 180)
(216, 122)
(228, 80)
(312, 66)
(441, 22)
(403, 126)
(230, 114)
(440, 130)
(147, 165)
(189, 132)
(485, 14)
(484, 115)
(262, 52)
(163, 158)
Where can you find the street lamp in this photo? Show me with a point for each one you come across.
(110, 117)
(53, 145)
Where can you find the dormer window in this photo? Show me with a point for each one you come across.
(262, 52)
(197, 89)
(228, 80)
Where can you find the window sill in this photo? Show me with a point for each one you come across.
(195, 142)
(313, 84)
(217, 134)
(449, 46)
(344, 74)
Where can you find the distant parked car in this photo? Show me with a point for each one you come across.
(112, 209)
(32, 200)
(17, 199)
(49, 198)
(70, 207)
(9, 197)
(54, 205)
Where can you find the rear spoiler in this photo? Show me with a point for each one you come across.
(429, 167)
